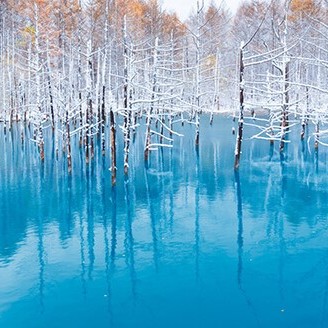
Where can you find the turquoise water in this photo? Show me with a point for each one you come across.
(184, 242)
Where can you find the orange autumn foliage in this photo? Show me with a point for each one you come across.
(303, 8)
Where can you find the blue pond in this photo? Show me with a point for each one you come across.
(184, 242)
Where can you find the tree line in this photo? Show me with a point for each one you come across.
(77, 67)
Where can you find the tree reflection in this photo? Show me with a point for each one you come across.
(197, 224)
(152, 213)
(129, 240)
(82, 256)
(158, 214)
(90, 220)
(240, 239)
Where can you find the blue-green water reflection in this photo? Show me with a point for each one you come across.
(184, 242)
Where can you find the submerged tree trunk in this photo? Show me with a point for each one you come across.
(51, 97)
(305, 115)
(316, 134)
(104, 69)
(285, 73)
(37, 62)
(88, 132)
(303, 127)
(285, 107)
(79, 76)
(88, 140)
(41, 142)
(68, 143)
(127, 133)
(127, 99)
(151, 109)
(103, 121)
(241, 108)
(113, 146)
(148, 137)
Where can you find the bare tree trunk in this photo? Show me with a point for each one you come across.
(127, 99)
(51, 98)
(103, 121)
(98, 97)
(285, 72)
(241, 108)
(148, 137)
(285, 107)
(41, 142)
(316, 134)
(38, 82)
(88, 132)
(151, 110)
(197, 91)
(113, 146)
(104, 69)
(79, 79)
(68, 142)
(216, 103)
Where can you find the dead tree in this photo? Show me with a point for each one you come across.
(241, 107)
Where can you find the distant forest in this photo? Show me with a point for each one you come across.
(70, 65)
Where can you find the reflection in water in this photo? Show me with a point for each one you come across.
(171, 193)
(41, 265)
(90, 219)
(107, 263)
(128, 255)
(82, 257)
(114, 227)
(197, 225)
(151, 200)
(316, 161)
(106, 216)
(240, 240)
(280, 224)
(283, 175)
(129, 241)
(240, 243)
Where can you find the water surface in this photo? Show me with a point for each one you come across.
(183, 242)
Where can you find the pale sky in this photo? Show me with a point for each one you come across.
(184, 7)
